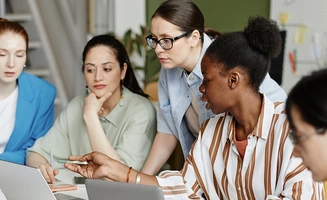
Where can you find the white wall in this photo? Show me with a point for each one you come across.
(129, 14)
(2, 8)
(312, 14)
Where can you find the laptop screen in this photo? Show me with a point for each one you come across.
(24, 182)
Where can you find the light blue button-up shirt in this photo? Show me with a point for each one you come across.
(175, 97)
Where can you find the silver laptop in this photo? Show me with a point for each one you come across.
(109, 190)
(23, 182)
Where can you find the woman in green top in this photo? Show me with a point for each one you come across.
(115, 118)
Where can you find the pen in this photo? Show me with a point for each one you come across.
(71, 161)
(51, 159)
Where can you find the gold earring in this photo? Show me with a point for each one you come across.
(121, 101)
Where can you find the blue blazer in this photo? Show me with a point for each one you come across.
(34, 116)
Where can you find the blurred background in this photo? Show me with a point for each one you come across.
(59, 29)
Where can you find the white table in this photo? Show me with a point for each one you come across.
(68, 177)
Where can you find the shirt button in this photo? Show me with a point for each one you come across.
(191, 78)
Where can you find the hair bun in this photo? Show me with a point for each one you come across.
(263, 35)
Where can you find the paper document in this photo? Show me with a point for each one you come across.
(62, 186)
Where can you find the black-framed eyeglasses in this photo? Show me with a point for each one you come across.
(297, 139)
(165, 43)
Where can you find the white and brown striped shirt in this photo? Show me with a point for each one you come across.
(214, 169)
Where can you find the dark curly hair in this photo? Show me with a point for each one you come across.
(120, 52)
(251, 49)
(310, 97)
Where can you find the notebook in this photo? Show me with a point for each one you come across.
(108, 190)
(24, 182)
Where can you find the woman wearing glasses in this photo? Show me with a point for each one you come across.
(306, 109)
(180, 40)
(244, 152)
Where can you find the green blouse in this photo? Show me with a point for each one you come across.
(130, 128)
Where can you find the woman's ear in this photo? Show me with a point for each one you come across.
(195, 38)
(123, 72)
(233, 80)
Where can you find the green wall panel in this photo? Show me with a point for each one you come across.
(151, 6)
(231, 15)
(224, 15)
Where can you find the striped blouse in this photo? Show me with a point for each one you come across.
(214, 169)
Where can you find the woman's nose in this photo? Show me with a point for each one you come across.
(158, 49)
(10, 62)
(98, 75)
(201, 88)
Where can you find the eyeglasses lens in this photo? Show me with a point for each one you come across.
(151, 42)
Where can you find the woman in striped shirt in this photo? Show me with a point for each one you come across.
(243, 153)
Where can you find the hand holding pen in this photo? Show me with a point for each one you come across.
(63, 161)
(96, 167)
(43, 163)
(48, 171)
(48, 168)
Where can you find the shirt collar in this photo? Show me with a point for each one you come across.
(197, 69)
(261, 130)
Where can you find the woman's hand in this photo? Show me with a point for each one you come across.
(48, 173)
(100, 166)
(92, 104)
(97, 166)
